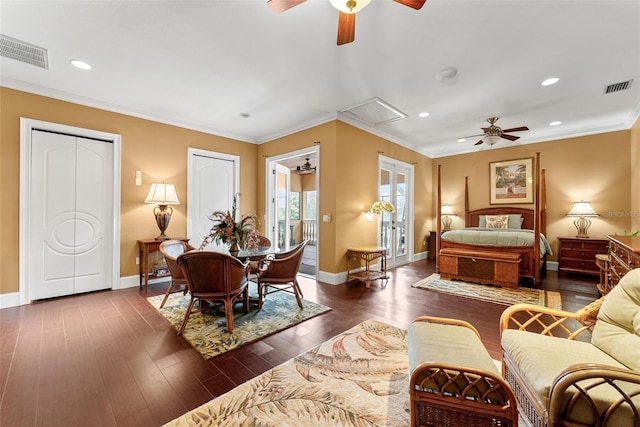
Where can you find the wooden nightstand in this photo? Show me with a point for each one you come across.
(579, 255)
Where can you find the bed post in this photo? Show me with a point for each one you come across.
(467, 217)
(438, 219)
(536, 223)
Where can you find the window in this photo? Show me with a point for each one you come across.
(310, 205)
(294, 206)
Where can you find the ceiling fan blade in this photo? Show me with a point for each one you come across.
(471, 136)
(520, 129)
(346, 28)
(279, 6)
(479, 142)
(509, 137)
(416, 4)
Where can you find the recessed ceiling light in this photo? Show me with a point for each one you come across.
(550, 81)
(556, 123)
(80, 64)
(462, 139)
(423, 114)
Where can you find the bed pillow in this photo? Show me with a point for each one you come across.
(497, 221)
(515, 221)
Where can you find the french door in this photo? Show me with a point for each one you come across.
(396, 228)
(281, 186)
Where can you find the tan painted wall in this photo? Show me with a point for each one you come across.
(158, 150)
(596, 168)
(349, 185)
(635, 177)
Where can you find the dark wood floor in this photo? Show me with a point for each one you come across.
(109, 359)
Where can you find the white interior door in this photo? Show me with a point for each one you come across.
(282, 187)
(396, 228)
(213, 180)
(71, 215)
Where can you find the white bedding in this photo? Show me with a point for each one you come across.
(497, 237)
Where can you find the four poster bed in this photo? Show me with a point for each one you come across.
(503, 255)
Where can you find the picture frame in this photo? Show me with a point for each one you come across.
(511, 181)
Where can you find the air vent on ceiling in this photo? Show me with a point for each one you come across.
(23, 52)
(374, 112)
(617, 87)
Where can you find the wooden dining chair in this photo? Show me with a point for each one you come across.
(214, 277)
(280, 274)
(263, 243)
(171, 249)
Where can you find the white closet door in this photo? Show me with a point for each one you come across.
(212, 184)
(70, 215)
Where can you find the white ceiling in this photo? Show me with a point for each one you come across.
(202, 64)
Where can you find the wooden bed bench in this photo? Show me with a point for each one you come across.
(454, 381)
(494, 268)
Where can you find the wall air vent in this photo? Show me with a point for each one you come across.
(23, 52)
(374, 112)
(617, 87)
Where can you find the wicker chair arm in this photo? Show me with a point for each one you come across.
(487, 393)
(447, 321)
(549, 321)
(599, 376)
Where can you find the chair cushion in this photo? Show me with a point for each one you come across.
(540, 358)
(456, 345)
(617, 331)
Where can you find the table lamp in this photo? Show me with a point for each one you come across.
(582, 210)
(163, 195)
(446, 210)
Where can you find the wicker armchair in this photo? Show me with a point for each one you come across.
(567, 369)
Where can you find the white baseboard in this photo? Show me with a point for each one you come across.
(552, 265)
(10, 300)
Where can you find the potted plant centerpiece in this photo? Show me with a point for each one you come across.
(228, 231)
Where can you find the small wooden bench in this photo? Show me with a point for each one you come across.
(454, 381)
(494, 268)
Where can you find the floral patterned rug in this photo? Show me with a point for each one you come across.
(357, 378)
(207, 331)
(495, 294)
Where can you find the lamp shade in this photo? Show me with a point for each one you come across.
(349, 6)
(446, 210)
(583, 209)
(162, 194)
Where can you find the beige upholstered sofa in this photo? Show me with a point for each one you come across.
(576, 369)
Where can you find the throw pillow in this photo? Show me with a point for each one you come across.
(497, 221)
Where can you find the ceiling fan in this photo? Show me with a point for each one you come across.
(493, 133)
(347, 10)
(305, 168)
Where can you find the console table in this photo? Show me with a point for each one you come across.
(367, 254)
(145, 247)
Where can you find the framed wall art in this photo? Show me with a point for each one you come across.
(511, 181)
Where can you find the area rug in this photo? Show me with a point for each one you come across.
(358, 378)
(207, 332)
(495, 294)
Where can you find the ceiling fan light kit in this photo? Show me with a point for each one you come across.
(347, 13)
(349, 6)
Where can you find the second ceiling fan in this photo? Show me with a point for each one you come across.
(493, 133)
(347, 13)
